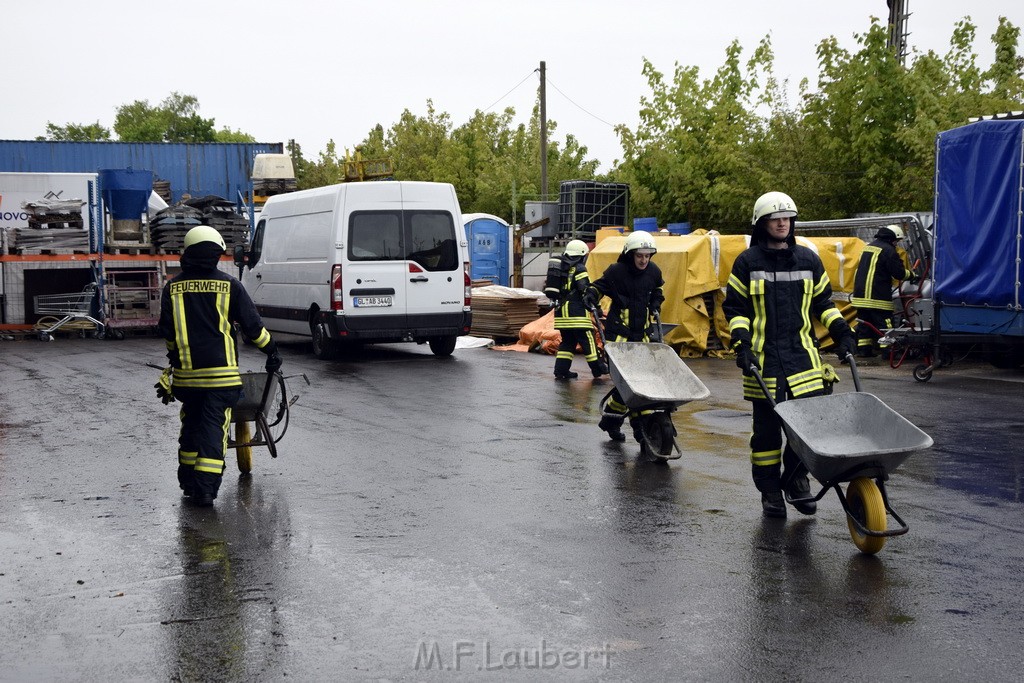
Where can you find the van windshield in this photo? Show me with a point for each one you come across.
(426, 237)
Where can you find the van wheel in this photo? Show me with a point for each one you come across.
(323, 348)
(442, 346)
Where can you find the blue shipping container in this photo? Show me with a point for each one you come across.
(198, 169)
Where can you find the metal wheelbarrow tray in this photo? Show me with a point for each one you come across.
(652, 374)
(842, 436)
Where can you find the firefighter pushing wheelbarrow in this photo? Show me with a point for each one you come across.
(650, 379)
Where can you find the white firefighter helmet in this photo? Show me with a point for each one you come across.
(640, 240)
(576, 248)
(204, 233)
(896, 232)
(773, 205)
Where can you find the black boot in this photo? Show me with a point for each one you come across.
(773, 504)
(598, 368)
(612, 425)
(800, 487)
(766, 479)
(569, 374)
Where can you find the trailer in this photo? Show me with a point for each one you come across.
(977, 274)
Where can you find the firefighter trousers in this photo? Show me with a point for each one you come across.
(767, 456)
(203, 439)
(877, 322)
(571, 338)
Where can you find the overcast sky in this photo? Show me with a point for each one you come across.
(316, 70)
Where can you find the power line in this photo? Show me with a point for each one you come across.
(610, 125)
(510, 91)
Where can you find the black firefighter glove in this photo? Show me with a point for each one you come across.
(591, 297)
(274, 361)
(164, 391)
(846, 346)
(745, 357)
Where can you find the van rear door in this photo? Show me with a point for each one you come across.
(375, 280)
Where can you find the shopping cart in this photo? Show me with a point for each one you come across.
(75, 311)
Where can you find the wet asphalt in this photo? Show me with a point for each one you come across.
(432, 518)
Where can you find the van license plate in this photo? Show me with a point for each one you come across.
(372, 301)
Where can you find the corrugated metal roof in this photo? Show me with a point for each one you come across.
(199, 169)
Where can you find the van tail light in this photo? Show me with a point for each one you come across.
(467, 297)
(337, 299)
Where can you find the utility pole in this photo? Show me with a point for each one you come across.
(543, 134)
(898, 16)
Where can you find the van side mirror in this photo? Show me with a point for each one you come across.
(241, 256)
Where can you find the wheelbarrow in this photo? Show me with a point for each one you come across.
(653, 381)
(851, 437)
(265, 405)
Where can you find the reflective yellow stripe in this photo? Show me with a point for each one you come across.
(874, 304)
(739, 323)
(819, 287)
(209, 382)
(187, 458)
(738, 285)
(873, 254)
(616, 406)
(806, 328)
(263, 339)
(829, 316)
(209, 465)
(757, 338)
(224, 327)
(766, 457)
(180, 331)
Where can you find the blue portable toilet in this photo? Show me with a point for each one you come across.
(490, 257)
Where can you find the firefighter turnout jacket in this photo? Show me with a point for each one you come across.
(567, 282)
(636, 296)
(769, 301)
(197, 309)
(880, 264)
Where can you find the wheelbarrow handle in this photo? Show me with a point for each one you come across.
(597, 323)
(853, 371)
(764, 387)
(657, 326)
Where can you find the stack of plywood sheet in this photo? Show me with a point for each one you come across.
(502, 311)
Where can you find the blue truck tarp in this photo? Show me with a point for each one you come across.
(979, 200)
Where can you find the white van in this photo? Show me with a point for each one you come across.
(381, 261)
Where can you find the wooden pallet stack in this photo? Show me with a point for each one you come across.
(501, 311)
(54, 226)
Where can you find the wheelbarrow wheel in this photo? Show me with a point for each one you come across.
(867, 507)
(244, 453)
(922, 373)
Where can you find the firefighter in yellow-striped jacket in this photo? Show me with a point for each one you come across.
(880, 265)
(776, 289)
(567, 281)
(198, 308)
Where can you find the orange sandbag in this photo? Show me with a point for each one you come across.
(541, 335)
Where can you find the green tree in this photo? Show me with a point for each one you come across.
(75, 132)
(226, 134)
(176, 119)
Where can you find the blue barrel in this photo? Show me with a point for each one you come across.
(648, 224)
(126, 192)
(678, 228)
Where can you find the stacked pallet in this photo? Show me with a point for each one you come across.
(502, 311)
(48, 240)
(169, 226)
(55, 213)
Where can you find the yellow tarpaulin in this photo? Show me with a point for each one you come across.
(698, 264)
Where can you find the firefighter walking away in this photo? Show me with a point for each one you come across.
(198, 308)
